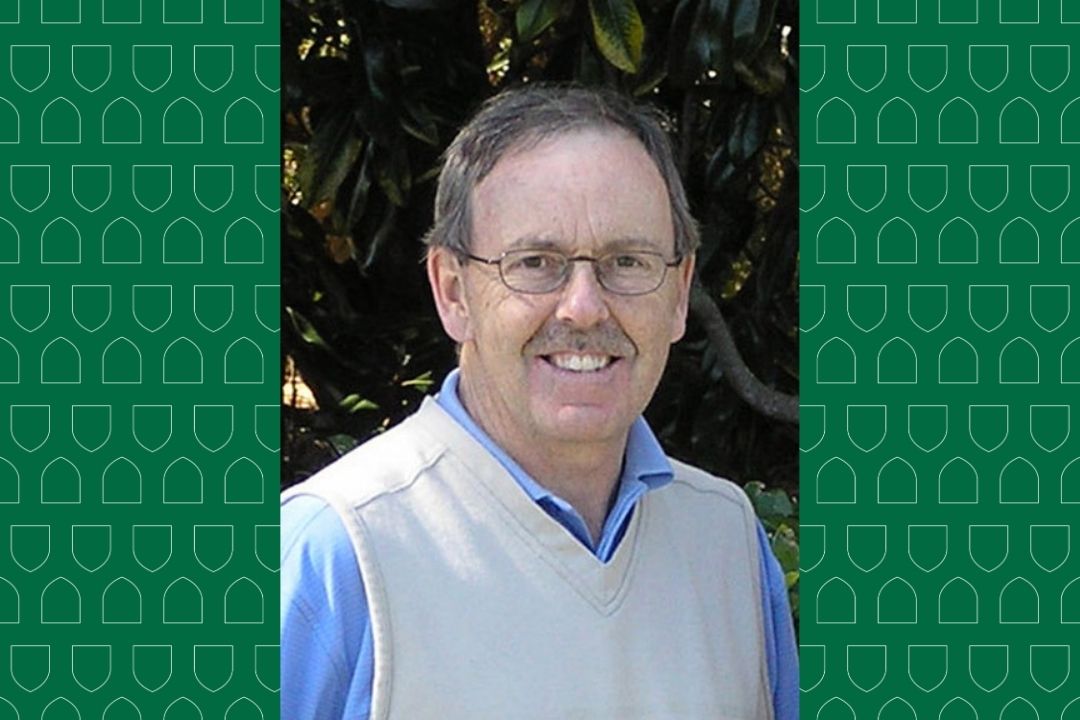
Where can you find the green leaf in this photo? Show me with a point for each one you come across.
(421, 382)
(534, 17)
(343, 443)
(619, 32)
(786, 548)
(306, 329)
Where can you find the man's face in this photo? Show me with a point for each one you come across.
(529, 362)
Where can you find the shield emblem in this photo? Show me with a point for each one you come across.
(91, 186)
(91, 426)
(268, 186)
(1050, 425)
(988, 185)
(151, 665)
(9, 495)
(812, 547)
(213, 66)
(183, 482)
(268, 665)
(836, 482)
(30, 66)
(1049, 306)
(811, 306)
(836, 243)
(268, 546)
(61, 482)
(1049, 66)
(958, 243)
(1050, 665)
(213, 186)
(1019, 242)
(866, 66)
(928, 185)
(268, 66)
(897, 603)
(811, 186)
(61, 243)
(866, 546)
(958, 483)
(928, 665)
(988, 545)
(958, 603)
(213, 546)
(811, 429)
(213, 306)
(268, 306)
(866, 306)
(244, 242)
(151, 305)
(1019, 362)
(268, 426)
(811, 66)
(30, 306)
(866, 425)
(151, 545)
(928, 425)
(866, 185)
(1019, 482)
(988, 665)
(91, 665)
(244, 482)
(928, 545)
(988, 305)
(30, 666)
(836, 603)
(988, 65)
(121, 483)
(213, 665)
(183, 603)
(151, 425)
(811, 666)
(897, 363)
(1050, 185)
(897, 242)
(91, 305)
(866, 666)
(213, 426)
(958, 362)
(1019, 603)
(183, 243)
(121, 242)
(91, 545)
(91, 65)
(151, 65)
(1050, 546)
(928, 305)
(9, 243)
(928, 65)
(151, 185)
(30, 185)
(30, 425)
(897, 482)
(30, 545)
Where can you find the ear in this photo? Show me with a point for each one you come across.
(445, 275)
(685, 280)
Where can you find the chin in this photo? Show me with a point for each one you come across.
(586, 423)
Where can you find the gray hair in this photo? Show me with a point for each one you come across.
(522, 118)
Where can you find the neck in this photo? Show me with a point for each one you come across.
(585, 475)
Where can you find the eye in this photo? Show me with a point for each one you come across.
(531, 261)
(627, 261)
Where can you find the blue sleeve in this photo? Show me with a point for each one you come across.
(327, 657)
(783, 659)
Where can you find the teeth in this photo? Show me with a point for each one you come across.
(581, 363)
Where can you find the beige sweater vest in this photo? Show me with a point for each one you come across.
(483, 607)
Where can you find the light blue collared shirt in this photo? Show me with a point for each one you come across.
(327, 651)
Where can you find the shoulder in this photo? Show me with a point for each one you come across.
(691, 481)
(382, 466)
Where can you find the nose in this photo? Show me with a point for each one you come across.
(581, 301)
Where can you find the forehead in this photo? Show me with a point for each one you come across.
(584, 188)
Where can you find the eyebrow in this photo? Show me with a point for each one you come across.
(536, 242)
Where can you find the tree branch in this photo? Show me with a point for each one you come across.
(769, 402)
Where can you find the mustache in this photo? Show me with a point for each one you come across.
(605, 339)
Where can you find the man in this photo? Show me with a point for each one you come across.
(521, 547)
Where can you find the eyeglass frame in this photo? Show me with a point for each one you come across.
(570, 259)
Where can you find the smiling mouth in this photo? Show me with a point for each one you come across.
(579, 363)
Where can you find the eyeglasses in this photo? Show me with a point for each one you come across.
(636, 272)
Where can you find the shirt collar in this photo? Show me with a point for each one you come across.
(644, 460)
